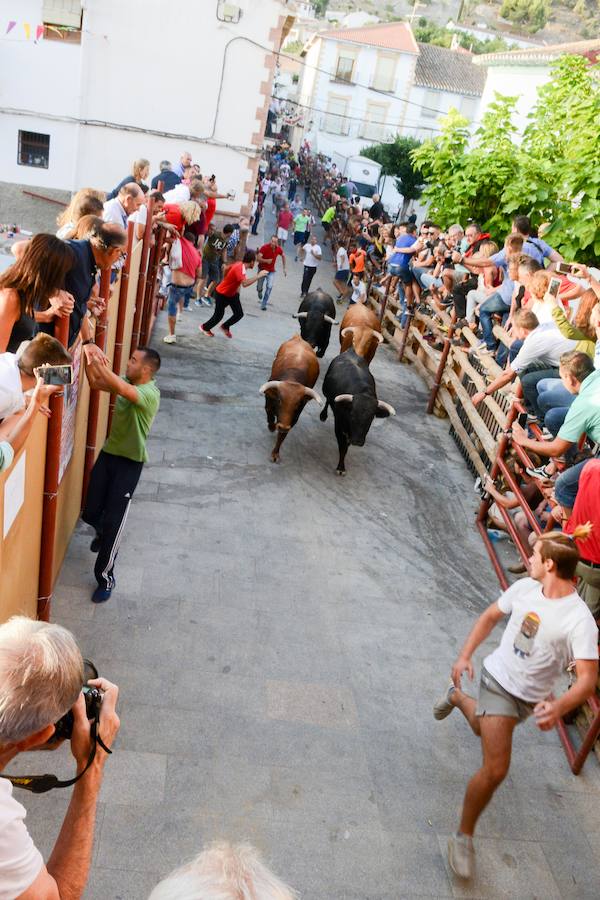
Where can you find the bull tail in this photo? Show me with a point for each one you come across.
(323, 415)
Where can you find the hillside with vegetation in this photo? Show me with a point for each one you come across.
(547, 21)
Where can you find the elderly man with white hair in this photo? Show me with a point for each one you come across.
(41, 678)
(224, 872)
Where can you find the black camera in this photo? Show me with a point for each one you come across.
(93, 699)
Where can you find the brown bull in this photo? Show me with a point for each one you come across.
(294, 372)
(361, 329)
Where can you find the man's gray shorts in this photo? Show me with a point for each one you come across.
(493, 700)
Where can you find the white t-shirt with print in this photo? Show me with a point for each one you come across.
(309, 255)
(541, 638)
(20, 860)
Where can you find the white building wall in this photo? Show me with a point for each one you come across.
(422, 124)
(515, 81)
(122, 76)
(358, 96)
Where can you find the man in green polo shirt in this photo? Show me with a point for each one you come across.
(119, 465)
(578, 375)
(328, 217)
(301, 229)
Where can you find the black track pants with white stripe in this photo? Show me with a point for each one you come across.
(112, 483)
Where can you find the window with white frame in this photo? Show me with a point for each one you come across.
(432, 103)
(373, 128)
(62, 20)
(62, 12)
(384, 78)
(34, 149)
(335, 121)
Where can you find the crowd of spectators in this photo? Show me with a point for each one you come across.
(535, 314)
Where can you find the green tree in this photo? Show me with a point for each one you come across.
(396, 162)
(320, 7)
(533, 14)
(553, 175)
(427, 32)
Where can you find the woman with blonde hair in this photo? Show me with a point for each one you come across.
(139, 172)
(182, 214)
(223, 872)
(86, 202)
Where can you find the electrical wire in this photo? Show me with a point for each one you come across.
(96, 123)
(365, 87)
(358, 118)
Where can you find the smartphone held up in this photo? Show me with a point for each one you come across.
(55, 375)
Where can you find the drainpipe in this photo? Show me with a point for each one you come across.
(121, 316)
(50, 501)
(94, 407)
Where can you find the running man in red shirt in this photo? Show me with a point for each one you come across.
(267, 259)
(284, 221)
(227, 293)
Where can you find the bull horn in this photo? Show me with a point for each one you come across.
(383, 405)
(268, 385)
(313, 395)
(349, 329)
(303, 315)
(330, 320)
(376, 334)
(342, 397)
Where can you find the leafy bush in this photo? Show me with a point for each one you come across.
(553, 175)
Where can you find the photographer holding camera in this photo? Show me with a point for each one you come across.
(41, 679)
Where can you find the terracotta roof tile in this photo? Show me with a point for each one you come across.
(393, 36)
(448, 70)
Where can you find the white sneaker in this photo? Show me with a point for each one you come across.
(443, 707)
(178, 316)
(461, 855)
(170, 339)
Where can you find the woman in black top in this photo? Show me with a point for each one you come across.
(139, 173)
(26, 288)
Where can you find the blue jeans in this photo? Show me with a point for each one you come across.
(565, 487)
(553, 420)
(401, 314)
(266, 285)
(419, 272)
(493, 304)
(427, 281)
(553, 393)
(176, 294)
(509, 353)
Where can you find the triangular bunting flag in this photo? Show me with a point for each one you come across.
(39, 32)
(10, 26)
(27, 29)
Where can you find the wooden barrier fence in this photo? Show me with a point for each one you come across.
(453, 374)
(42, 492)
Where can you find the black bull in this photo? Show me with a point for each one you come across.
(350, 390)
(316, 315)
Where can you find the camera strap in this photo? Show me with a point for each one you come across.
(40, 784)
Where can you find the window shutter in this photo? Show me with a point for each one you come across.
(62, 12)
